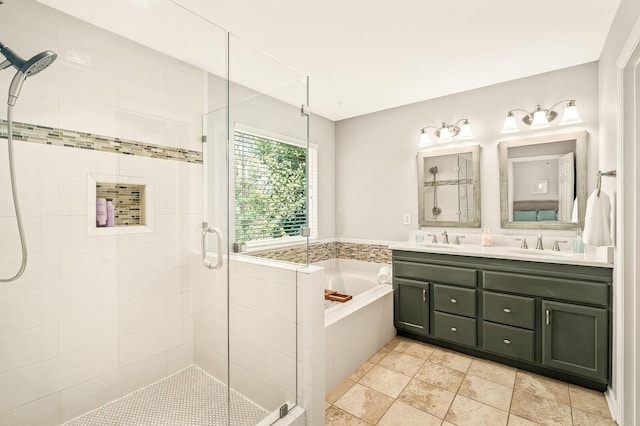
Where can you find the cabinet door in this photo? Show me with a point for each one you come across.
(575, 339)
(411, 307)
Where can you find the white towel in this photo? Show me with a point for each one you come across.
(597, 220)
(574, 211)
(384, 275)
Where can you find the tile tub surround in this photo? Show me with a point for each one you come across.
(409, 382)
(376, 253)
(26, 132)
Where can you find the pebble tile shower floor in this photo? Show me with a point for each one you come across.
(188, 398)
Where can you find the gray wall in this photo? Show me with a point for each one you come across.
(376, 176)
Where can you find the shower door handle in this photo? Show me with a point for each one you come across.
(206, 262)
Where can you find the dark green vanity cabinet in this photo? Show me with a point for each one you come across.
(552, 319)
(413, 297)
(575, 338)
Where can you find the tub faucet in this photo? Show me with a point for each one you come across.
(539, 243)
(446, 236)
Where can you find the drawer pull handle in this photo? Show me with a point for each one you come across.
(547, 317)
(454, 329)
(454, 301)
(424, 295)
(507, 341)
(507, 310)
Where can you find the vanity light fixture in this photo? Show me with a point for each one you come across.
(541, 118)
(446, 132)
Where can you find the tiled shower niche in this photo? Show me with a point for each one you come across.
(132, 199)
(128, 200)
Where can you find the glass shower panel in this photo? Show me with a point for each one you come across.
(268, 140)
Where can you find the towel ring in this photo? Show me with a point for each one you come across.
(600, 174)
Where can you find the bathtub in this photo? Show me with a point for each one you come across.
(357, 329)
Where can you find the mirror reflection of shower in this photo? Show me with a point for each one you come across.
(436, 210)
(25, 68)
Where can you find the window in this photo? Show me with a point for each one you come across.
(270, 188)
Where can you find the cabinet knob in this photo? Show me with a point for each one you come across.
(454, 329)
(454, 301)
(507, 341)
(507, 310)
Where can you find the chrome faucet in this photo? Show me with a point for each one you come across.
(524, 243)
(539, 243)
(556, 245)
(446, 236)
(434, 238)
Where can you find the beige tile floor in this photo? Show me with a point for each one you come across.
(411, 383)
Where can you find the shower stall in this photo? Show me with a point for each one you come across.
(159, 317)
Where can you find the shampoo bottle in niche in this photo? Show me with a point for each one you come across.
(101, 212)
(111, 213)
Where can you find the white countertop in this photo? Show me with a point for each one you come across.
(597, 258)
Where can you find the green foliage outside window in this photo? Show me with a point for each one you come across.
(270, 186)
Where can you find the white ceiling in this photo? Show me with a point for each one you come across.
(364, 56)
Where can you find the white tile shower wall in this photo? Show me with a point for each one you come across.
(154, 98)
(94, 317)
(95, 310)
(262, 328)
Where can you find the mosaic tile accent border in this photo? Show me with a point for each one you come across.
(128, 201)
(72, 139)
(375, 253)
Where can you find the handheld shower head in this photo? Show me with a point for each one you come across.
(30, 67)
(26, 68)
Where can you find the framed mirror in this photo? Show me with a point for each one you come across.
(543, 182)
(449, 187)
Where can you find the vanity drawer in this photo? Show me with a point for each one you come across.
(510, 341)
(596, 293)
(508, 309)
(454, 300)
(454, 328)
(429, 272)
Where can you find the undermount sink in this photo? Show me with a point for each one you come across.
(540, 253)
(441, 246)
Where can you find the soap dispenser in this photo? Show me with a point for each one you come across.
(486, 238)
(419, 236)
(578, 244)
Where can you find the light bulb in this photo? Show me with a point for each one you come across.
(465, 131)
(510, 125)
(425, 140)
(539, 120)
(570, 115)
(445, 134)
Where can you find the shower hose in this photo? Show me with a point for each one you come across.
(14, 191)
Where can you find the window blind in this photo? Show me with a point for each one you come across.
(271, 189)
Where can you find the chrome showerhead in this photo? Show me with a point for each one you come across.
(26, 68)
(30, 67)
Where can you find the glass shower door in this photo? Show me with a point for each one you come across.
(246, 316)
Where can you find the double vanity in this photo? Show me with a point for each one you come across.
(542, 311)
